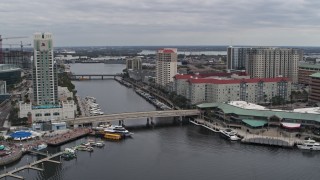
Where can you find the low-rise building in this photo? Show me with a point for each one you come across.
(304, 72)
(65, 110)
(244, 113)
(10, 73)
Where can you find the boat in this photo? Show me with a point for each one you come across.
(309, 144)
(230, 134)
(89, 149)
(81, 148)
(99, 144)
(69, 154)
(40, 147)
(112, 136)
(118, 130)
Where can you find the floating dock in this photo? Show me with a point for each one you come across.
(31, 166)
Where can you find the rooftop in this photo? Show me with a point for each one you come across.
(316, 75)
(246, 105)
(46, 107)
(220, 74)
(236, 81)
(257, 111)
(310, 66)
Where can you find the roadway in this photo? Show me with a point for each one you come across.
(5, 108)
(132, 115)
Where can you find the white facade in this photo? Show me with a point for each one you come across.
(257, 90)
(45, 80)
(134, 63)
(166, 65)
(266, 62)
(66, 110)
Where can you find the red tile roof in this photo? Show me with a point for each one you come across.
(236, 81)
(165, 50)
(222, 74)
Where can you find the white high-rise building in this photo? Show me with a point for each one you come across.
(45, 79)
(265, 62)
(166, 65)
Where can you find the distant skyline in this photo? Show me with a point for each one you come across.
(164, 22)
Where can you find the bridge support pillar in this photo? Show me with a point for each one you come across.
(121, 123)
(150, 122)
(95, 124)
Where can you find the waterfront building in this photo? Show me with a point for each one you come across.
(166, 66)
(18, 58)
(181, 81)
(304, 72)
(314, 91)
(45, 79)
(10, 73)
(134, 63)
(234, 88)
(240, 113)
(46, 106)
(61, 111)
(265, 62)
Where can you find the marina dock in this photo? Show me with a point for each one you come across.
(69, 136)
(31, 166)
(270, 137)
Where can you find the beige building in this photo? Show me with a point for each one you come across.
(266, 62)
(166, 65)
(224, 89)
(134, 63)
(304, 72)
(314, 94)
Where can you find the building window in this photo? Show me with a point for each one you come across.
(38, 115)
(47, 114)
(56, 114)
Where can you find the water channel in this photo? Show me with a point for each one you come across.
(184, 152)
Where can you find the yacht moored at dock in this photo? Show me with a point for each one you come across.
(118, 130)
(230, 134)
(40, 147)
(309, 144)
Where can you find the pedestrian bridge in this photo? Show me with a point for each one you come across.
(132, 115)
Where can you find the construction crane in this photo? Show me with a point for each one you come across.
(17, 37)
(21, 45)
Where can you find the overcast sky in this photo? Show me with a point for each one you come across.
(164, 22)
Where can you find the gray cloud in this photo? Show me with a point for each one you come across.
(165, 22)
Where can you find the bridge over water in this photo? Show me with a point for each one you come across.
(132, 116)
(93, 76)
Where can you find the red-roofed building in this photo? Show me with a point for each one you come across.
(202, 88)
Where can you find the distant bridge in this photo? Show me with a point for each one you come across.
(132, 115)
(92, 76)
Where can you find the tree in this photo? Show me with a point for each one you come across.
(277, 100)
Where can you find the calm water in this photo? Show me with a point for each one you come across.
(183, 152)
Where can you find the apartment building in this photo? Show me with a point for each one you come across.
(166, 65)
(265, 62)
